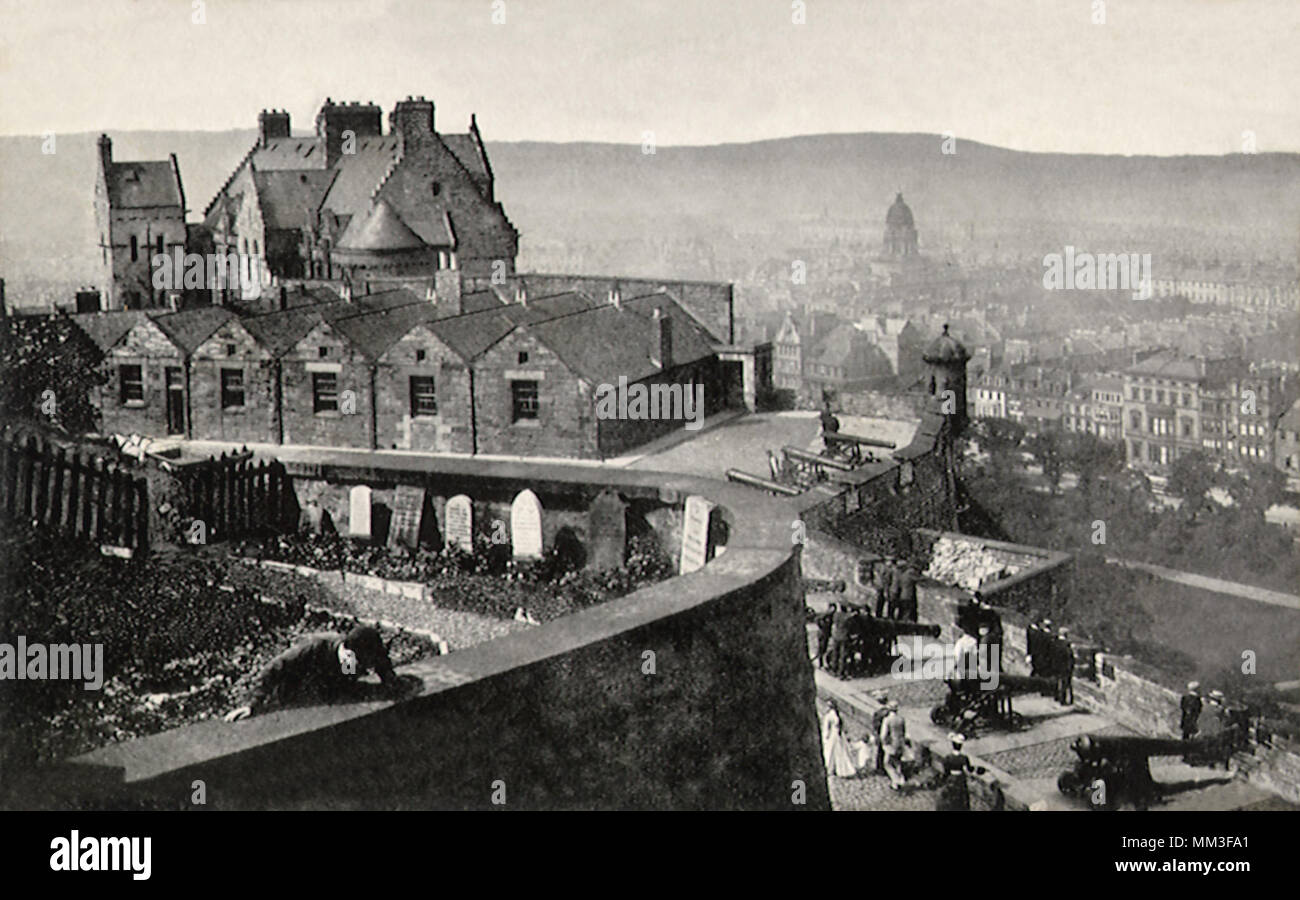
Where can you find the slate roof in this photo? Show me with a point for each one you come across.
(133, 185)
(191, 327)
(107, 328)
(606, 342)
(1168, 365)
(382, 229)
(289, 199)
(470, 334)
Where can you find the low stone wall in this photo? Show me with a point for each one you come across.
(694, 693)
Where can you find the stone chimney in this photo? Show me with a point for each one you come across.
(615, 297)
(346, 291)
(335, 120)
(411, 122)
(661, 339)
(272, 124)
(446, 287)
(105, 152)
(521, 295)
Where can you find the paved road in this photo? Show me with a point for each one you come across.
(1205, 582)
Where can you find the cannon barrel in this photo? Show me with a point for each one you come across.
(1091, 747)
(833, 436)
(755, 481)
(895, 628)
(805, 456)
(1026, 684)
(833, 586)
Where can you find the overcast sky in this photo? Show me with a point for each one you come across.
(1159, 76)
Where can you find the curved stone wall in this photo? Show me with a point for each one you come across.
(695, 693)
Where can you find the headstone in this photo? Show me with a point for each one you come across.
(695, 534)
(526, 525)
(458, 523)
(312, 518)
(359, 512)
(606, 532)
(408, 512)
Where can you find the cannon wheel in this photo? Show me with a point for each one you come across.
(940, 715)
(1109, 788)
(1068, 783)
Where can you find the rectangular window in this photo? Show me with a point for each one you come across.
(160, 244)
(135, 248)
(523, 396)
(132, 382)
(424, 402)
(232, 388)
(324, 392)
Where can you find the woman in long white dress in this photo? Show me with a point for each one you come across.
(835, 749)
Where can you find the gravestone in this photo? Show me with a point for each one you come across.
(408, 513)
(695, 534)
(312, 518)
(526, 525)
(458, 523)
(359, 512)
(606, 532)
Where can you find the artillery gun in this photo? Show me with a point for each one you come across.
(851, 448)
(969, 704)
(871, 639)
(1115, 768)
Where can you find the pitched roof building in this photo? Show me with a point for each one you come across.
(139, 213)
(351, 202)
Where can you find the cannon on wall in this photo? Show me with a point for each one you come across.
(852, 448)
(1112, 769)
(871, 640)
(969, 704)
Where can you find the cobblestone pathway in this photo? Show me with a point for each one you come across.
(1046, 759)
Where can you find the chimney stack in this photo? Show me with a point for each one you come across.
(521, 295)
(105, 152)
(446, 289)
(661, 339)
(615, 298)
(346, 291)
(272, 124)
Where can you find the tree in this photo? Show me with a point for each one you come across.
(49, 369)
(1047, 449)
(1190, 479)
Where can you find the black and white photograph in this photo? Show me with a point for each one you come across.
(561, 406)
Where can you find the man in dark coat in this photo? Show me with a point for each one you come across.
(838, 654)
(878, 719)
(907, 581)
(1190, 706)
(824, 633)
(322, 668)
(885, 594)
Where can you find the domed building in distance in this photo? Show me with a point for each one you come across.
(900, 230)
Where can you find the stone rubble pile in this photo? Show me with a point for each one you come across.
(966, 564)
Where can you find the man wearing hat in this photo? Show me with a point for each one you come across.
(1036, 640)
(1190, 704)
(320, 668)
(906, 592)
(893, 735)
(877, 720)
(1063, 654)
(885, 589)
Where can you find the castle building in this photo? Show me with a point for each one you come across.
(139, 213)
(350, 202)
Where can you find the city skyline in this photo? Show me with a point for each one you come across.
(1163, 79)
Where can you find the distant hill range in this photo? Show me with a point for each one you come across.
(772, 193)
